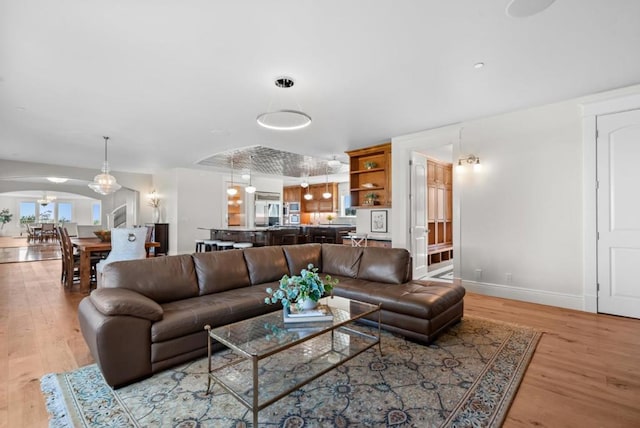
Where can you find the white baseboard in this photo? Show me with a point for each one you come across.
(562, 300)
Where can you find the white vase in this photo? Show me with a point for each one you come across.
(306, 304)
(156, 215)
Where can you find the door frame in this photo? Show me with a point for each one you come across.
(590, 112)
(401, 153)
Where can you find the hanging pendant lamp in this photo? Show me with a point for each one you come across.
(231, 191)
(327, 193)
(104, 183)
(284, 119)
(250, 188)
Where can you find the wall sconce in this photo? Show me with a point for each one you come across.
(469, 160)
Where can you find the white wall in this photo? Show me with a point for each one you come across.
(523, 214)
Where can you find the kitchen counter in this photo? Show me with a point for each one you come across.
(285, 234)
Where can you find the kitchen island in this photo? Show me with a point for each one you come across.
(285, 235)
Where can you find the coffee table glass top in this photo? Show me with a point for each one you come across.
(268, 333)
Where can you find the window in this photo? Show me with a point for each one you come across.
(47, 212)
(27, 212)
(347, 211)
(65, 210)
(96, 213)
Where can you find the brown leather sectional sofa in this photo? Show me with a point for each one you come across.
(150, 314)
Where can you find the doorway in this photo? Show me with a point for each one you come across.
(431, 212)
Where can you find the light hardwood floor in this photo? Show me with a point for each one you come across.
(585, 372)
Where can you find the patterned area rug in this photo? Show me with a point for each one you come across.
(467, 378)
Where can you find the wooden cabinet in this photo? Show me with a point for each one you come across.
(439, 211)
(161, 235)
(370, 176)
(292, 194)
(318, 203)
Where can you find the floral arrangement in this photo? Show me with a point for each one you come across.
(296, 289)
(154, 199)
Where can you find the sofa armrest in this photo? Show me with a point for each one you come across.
(120, 301)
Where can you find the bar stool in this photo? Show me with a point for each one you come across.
(358, 240)
(242, 245)
(199, 245)
(211, 244)
(225, 245)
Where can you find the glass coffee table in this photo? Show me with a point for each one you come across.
(276, 359)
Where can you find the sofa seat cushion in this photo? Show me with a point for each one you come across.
(422, 299)
(189, 316)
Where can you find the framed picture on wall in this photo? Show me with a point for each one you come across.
(379, 221)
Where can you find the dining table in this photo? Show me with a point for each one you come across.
(87, 246)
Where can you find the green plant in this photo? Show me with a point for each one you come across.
(5, 217)
(371, 196)
(295, 289)
(27, 219)
(370, 164)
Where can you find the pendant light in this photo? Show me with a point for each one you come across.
(327, 193)
(250, 188)
(308, 196)
(284, 119)
(46, 199)
(231, 191)
(105, 183)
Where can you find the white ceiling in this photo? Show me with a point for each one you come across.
(173, 82)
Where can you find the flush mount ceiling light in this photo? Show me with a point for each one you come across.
(333, 162)
(526, 8)
(104, 183)
(58, 180)
(284, 119)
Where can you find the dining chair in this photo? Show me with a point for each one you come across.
(358, 240)
(71, 261)
(126, 244)
(48, 232)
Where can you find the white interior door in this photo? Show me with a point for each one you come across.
(418, 213)
(618, 175)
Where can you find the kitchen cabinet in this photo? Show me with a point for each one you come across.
(292, 194)
(439, 211)
(318, 204)
(370, 176)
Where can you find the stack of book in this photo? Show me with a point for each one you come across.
(319, 313)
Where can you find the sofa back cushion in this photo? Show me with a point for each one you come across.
(221, 270)
(341, 260)
(300, 256)
(390, 265)
(162, 279)
(265, 264)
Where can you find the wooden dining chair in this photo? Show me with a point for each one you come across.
(48, 232)
(71, 261)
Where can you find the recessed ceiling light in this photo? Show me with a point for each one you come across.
(478, 65)
(57, 179)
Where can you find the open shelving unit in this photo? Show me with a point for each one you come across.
(370, 173)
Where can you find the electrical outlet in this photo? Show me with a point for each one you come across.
(478, 274)
(508, 277)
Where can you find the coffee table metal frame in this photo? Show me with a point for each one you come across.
(340, 326)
